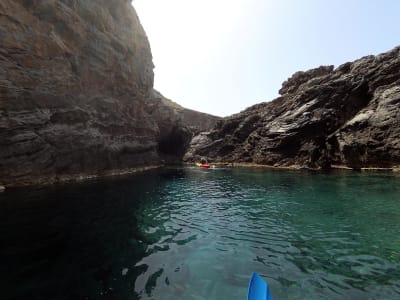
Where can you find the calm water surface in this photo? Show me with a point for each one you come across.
(197, 234)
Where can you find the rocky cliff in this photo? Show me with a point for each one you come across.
(76, 93)
(176, 126)
(325, 117)
(196, 121)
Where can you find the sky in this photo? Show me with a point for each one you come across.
(222, 56)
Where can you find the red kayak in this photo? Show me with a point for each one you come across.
(205, 166)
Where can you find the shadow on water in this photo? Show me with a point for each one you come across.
(72, 242)
(187, 233)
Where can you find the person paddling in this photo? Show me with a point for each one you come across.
(204, 163)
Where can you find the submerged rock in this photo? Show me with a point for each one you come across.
(325, 117)
(76, 92)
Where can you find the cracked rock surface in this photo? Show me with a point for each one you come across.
(325, 117)
(76, 93)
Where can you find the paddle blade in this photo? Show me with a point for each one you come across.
(258, 289)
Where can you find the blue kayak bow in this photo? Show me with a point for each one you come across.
(258, 289)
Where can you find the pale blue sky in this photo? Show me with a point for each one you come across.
(221, 56)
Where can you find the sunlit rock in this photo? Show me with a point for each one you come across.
(348, 116)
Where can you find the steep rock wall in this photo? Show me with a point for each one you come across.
(74, 76)
(194, 120)
(325, 117)
(76, 93)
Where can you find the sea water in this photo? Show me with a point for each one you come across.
(189, 233)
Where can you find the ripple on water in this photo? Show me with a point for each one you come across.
(197, 234)
(305, 241)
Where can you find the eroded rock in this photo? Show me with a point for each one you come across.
(348, 116)
(76, 93)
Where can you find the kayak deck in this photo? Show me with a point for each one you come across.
(258, 289)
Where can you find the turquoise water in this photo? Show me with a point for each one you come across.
(198, 234)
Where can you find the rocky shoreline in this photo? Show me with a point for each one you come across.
(395, 169)
(76, 178)
(327, 117)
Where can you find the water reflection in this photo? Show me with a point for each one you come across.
(198, 234)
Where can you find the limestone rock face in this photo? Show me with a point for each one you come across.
(76, 92)
(348, 116)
